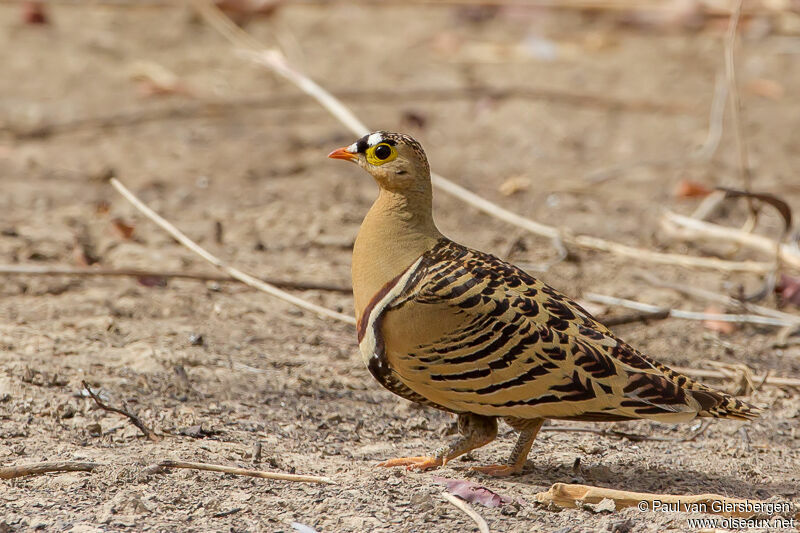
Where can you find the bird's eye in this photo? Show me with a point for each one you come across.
(382, 151)
(380, 154)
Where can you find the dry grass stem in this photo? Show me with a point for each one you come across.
(637, 316)
(709, 205)
(33, 469)
(711, 296)
(241, 472)
(483, 527)
(689, 315)
(736, 102)
(274, 59)
(572, 496)
(135, 420)
(247, 279)
(692, 229)
(40, 270)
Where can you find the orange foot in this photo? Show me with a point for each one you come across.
(497, 470)
(414, 463)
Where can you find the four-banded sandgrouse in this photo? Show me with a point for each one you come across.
(463, 331)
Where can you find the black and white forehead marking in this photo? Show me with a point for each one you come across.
(370, 140)
(393, 139)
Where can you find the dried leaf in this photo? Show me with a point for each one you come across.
(472, 492)
(691, 189)
(122, 229)
(34, 13)
(726, 328)
(515, 184)
(788, 288)
(770, 199)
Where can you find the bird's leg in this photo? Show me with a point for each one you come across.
(528, 429)
(474, 431)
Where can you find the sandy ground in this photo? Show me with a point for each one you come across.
(266, 373)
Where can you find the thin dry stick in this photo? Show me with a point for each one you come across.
(247, 279)
(716, 297)
(709, 204)
(135, 420)
(11, 472)
(241, 472)
(572, 496)
(688, 315)
(741, 143)
(273, 59)
(630, 318)
(736, 102)
(689, 228)
(39, 270)
(483, 527)
(716, 118)
(663, 258)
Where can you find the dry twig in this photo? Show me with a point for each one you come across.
(483, 527)
(239, 471)
(135, 420)
(40, 270)
(638, 316)
(571, 496)
(247, 279)
(728, 301)
(692, 229)
(688, 315)
(736, 102)
(11, 472)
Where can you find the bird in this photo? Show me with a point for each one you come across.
(463, 331)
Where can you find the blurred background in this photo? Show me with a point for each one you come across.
(589, 116)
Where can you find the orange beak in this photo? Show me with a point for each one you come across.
(342, 153)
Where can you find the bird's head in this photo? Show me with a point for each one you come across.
(395, 160)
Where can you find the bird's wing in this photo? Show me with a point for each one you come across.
(470, 333)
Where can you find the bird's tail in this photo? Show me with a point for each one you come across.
(713, 403)
(718, 404)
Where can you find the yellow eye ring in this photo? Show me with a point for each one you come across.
(380, 153)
